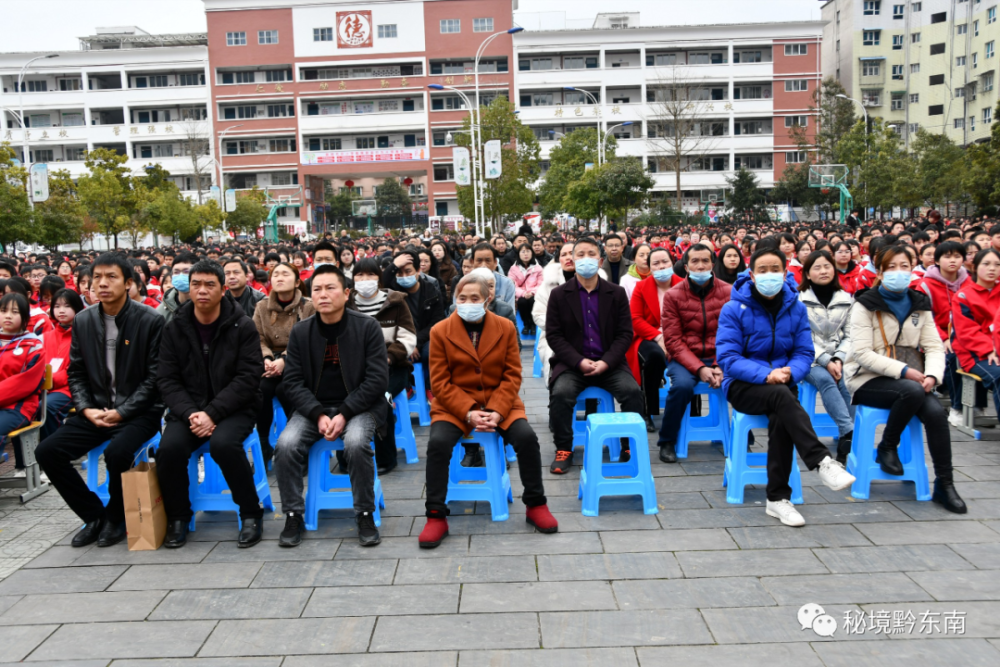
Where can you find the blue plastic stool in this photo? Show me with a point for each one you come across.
(605, 405)
(212, 495)
(278, 424)
(520, 326)
(320, 494)
(405, 439)
(822, 423)
(861, 461)
(93, 469)
(664, 390)
(713, 427)
(536, 362)
(494, 486)
(632, 478)
(743, 468)
(420, 404)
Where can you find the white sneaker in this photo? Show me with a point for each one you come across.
(955, 417)
(201, 470)
(834, 475)
(20, 474)
(785, 511)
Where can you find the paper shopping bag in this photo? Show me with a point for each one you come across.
(145, 517)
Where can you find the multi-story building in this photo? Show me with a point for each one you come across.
(929, 64)
(749, 84)
(139, 94)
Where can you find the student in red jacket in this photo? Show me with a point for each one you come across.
(848, 271)
(974, 311)
(65, 305)
(38, 320)
(22, 369)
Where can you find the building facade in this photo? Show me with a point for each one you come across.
(930, 64)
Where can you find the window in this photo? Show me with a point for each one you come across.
(912, 128)
(915, 68)
(989, 49)
(915, 38)
(871, 37)
(276, 75)
(322, 34)
(991, 15)
(796, 85)
(961, 29)
(267, 36)
(897, 42)
(659, 59)
(838, 46)
(796, 49)
(40, 120)
(972, 123)
(72, 120)
(237, 77)
(914, 98)
(939, 17)
(232, 113)
(937, 49)
(281, 145)
(960, 61)
(987, 115)
(871, 98)
(916, 6)
(444, 172)
(896, 104)
(236, 39)
(191, 79)
(960, 92)
(482, 25)
(868, 68)
(75, 154)
(975, 60)
(70, 84)
(872, 7)
(988, 82)
(752, 162)
(935, 110)
(796, 121)
(975, 28)
(897, 72)
(897, 11)
(280, 110)
(34, 86)
(959, 123)
(242, 147)
(936, 80)
(450, 26)
(43, 155)
(387, 31)
(752, 127)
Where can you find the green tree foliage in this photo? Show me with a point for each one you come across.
(15, 213)
(886, 173)
(567, 163)
(207, 216)
(108, 191)
(248, 216)
(340, 204)
(745, 198)
(611, 189)
(393, 199)
(941, 168)
(60, 218)
(170, 214)
(834, 120)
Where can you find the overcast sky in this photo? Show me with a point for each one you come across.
(41, 25)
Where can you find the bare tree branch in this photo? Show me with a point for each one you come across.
(196, 145)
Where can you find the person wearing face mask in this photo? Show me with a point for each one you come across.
(178, 294)
(65, 305)
(974, 311)
(764, 347)
(885, 319)
(476, 377)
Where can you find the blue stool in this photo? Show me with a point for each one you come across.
(212, 495)
(494, 486)
(822, 423)
(664, 390)
(605, 405)
(713, 427)
(861, 461)
(320, 494)
(420, 404)
(278, 424)
(536, 362)
(520, 326)
(92, 468)
(405, 439)
(632, 478)
(744, 468)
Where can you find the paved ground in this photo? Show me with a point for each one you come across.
(701, 583)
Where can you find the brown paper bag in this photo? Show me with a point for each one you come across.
(145, 517)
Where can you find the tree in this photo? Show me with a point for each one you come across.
(107, 192)
(886, 175)
(207, 216)
(941, 165)
(341, 203)
(248, 216)
(170, 214)
(509, 197)
(613, 188)
(834, 120)
(393, 199)
(15, 213)
(746, 199)
(196, 145)
(60, 218)
(567, 163)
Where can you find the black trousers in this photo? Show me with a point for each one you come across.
(567, 387)
(270, 388)
(226, 447)
(652, 362)
(524, 306)
(385, 448)
(905, 399)
(788, 429)
(77, 437)
(445, 435)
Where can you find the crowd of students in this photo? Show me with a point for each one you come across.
(198, 343)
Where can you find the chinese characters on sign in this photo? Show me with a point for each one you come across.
(324, 86)
(354, 29)
(377, 155)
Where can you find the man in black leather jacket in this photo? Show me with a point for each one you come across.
(113, 360)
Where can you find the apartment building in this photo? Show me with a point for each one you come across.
(930, 64)
(139, 94)
(750, 84)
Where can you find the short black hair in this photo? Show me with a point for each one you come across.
(210, 267)
(71, 298)
(586, 240)
(609, 237)
(19, 285)
(51, 284)
(234, 260)
(116, 260)
(367, 265)
(326, 245)
(186, 258)
(760, 252)
(330, 268)
(20, 304)
(948, 248)
(7, 266)
(697, 247)
(483, 246)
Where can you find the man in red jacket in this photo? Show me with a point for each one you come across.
(690, 320)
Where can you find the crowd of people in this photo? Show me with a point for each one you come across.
(200, 343)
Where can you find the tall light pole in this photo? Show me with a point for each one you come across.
(600, 119)
(867, 146)
(20, 103)
(473, 147)
(222, 181)
(607, 134)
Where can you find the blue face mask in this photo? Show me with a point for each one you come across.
(586, 267)
(406, 282)
(663, 275)
(769, 284)
(181, 283)
(471, 312)
(896, 281)
(700, 277)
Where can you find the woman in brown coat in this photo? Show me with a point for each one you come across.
(475, 368)
(275, 316)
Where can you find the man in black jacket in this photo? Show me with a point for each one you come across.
(425, 302)
(113, 360)
(336, 376)
(209, 376)
(237, 275)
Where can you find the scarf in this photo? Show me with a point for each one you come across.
(934, 273)
(633, 270)
(898, 303)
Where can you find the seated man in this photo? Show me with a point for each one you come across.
(589, 327)
(114, 391)
(484, 256)
(209, 376)
(689, 320)
(615, 265)
(238, 276)
(764, 346)
(335, 396)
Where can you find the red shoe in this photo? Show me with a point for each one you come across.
(541, 518)
(433, 533)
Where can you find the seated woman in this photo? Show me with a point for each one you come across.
(886, 318)
(137, 291)
(973, 313)
(526, 273)
(65, 305)
(22, 371)
(64, 269)
(829, 307)
(638, 270)
(476, 377)
(446, 268)
(729, 264)
(802, 252)
(848, 271)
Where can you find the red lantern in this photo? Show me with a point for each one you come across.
(407, 181)
(349, 184)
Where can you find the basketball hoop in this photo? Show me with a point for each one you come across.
(825, 191)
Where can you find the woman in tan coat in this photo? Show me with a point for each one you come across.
(275, 316)
(889, 322)
(475, 369)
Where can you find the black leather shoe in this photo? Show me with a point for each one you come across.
(888, 459)
(385, 470)
(844, 447)
(626, 454)
(650, 426)
(473, 457)
(295, 527)
(367, 531)
(250, 534)
(88, 534)
(177, 533)
(111, 534)
(947, 497)
(668, 454)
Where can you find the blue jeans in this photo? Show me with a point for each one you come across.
(836, 398)
(56, 409)
(990, 373)
(11, 420)
(953, 381)
(679, 396)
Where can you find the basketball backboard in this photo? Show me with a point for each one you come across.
(827, 175)
(363, 207)
(713, 197)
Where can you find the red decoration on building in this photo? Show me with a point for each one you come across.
(407, 181)
(349, 184)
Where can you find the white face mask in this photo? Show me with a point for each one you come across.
(366, 288)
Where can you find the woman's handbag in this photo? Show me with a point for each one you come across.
(910, 356)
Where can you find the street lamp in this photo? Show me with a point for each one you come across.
(20, 103)
(600, 152)
(476, 200)
(867, 143)
(608, 132)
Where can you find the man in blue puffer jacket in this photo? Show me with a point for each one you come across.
(764, 348)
